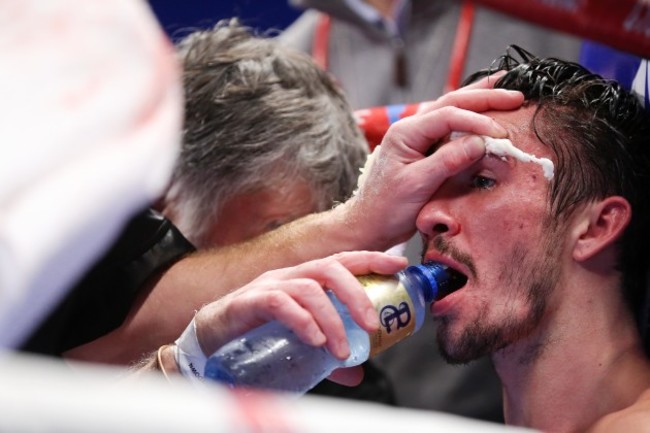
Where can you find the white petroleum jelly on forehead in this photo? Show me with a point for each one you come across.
(503, 147)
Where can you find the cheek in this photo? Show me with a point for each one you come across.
(231, 229)
(513, 218)
(518, 224)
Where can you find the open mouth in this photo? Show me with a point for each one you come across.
(456, 280)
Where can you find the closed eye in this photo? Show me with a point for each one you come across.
(272, 225)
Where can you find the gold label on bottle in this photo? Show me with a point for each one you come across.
(396, 313)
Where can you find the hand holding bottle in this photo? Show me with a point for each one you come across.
(272, 356)
(296, 297)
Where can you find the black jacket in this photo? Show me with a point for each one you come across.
(102, 298)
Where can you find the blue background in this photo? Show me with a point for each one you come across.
(176, 16)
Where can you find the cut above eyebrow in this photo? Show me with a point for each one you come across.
(503, 147)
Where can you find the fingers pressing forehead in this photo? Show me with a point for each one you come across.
(477, 99)
(485, 82)
(421, 132)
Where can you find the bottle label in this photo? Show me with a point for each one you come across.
(395, 308)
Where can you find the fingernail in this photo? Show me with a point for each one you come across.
(475, 145)
(317, 336)
(372, 319)
(344, 349)
(339, 348)
(510, 92)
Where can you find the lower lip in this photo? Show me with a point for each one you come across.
(443, 306)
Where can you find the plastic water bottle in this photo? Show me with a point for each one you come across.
(273, 357)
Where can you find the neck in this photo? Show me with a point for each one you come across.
(584, 361)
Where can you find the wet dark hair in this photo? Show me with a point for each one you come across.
(599, 133)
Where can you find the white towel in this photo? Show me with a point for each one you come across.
(91, 112)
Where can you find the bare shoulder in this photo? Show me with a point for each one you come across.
(635, 418)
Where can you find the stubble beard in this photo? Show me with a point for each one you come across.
(534, 277)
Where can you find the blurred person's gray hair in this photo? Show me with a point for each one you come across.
(257, 114)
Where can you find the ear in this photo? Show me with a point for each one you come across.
(599, 225)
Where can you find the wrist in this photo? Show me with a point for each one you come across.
(189, 357)
(354, 229)
(166, 360)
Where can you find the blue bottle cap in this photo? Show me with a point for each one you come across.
(433, 278)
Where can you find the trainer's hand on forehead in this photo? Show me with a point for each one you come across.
(455, 111)
(404, 174)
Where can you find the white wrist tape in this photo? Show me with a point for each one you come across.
(189, 356)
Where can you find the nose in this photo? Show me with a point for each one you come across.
(434, 219)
